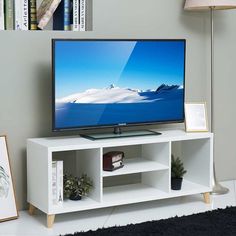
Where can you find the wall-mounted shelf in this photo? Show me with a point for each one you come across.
(9, 18)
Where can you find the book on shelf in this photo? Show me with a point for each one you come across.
(17, 15)
(57, 182)
(89, 15)
(49, 25)
(33, 15)
(85, 15)
(45, 12)
(66, 15)
(61, 17)
(82, 15)
(76, 12)
(21, 15)
(71, 14)
(54, 182)
(25, 14)
(9, 14)
(2, 22)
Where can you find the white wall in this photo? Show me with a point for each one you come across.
(224, 94)
(25, 85)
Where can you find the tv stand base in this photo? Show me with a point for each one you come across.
(117, 133)
(147, 163)
(51, 218)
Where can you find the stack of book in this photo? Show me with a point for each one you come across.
(57, 182)
(14, 14)
(73, 15)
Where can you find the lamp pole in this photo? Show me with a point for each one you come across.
(217, 188)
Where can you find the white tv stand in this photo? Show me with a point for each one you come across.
(151, 169)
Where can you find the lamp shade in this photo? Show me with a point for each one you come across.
(195, 5)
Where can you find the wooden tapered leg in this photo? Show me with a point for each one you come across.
(31, 209)
(207, 198)
(50, 220)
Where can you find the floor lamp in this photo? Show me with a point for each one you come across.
(211, 5)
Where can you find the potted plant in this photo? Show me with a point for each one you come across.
(177, 173)
(76, 187)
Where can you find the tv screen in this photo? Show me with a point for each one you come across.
(107, 83)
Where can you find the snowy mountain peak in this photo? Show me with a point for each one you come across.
(165, 87)
(114, 94)
(111, 86)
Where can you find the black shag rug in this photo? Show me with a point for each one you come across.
(220, 222)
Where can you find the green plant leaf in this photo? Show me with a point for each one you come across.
(177, 167)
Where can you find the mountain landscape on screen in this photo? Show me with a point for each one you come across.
(119, 104)
(113, 94)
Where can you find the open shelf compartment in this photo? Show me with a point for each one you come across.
(134, 187)
(89, 161)
(78, 162)
(141, 158)
(195, 156)
(131, 193)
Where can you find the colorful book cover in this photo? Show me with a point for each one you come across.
(82, 15)
(25, 15)
(61, 17)
(76, 15)
(2, 22)
(33, 15)
(9, 14)
(45, 12)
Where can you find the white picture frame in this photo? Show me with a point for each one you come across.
(196, 117)
(7, 193)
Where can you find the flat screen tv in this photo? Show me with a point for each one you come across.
(111, 83)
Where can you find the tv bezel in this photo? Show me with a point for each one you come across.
(55, 129)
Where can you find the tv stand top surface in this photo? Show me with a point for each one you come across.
(64, 143)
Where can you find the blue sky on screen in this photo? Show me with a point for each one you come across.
(82, 65)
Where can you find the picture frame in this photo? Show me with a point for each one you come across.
(196, 117)
(7, 191)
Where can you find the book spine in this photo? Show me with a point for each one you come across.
(54, 182)
(18, 14)
(25, 15)
(59, 182)
(2, 22)
(71, 14)
(82, 15)
(33, 15)
(43, 7)
(66, 14)
(89, 15)
(76, 15)
(9, 22)
(58, 17)
(46, 12)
